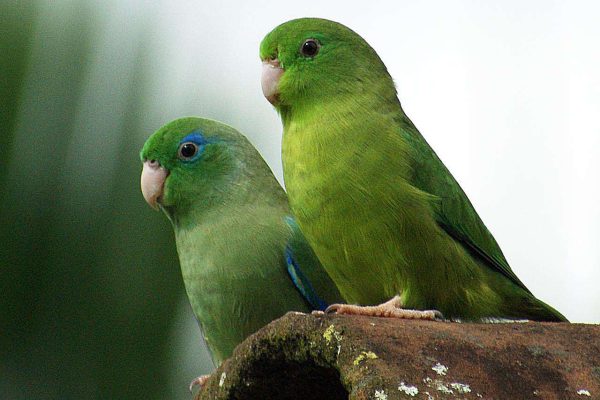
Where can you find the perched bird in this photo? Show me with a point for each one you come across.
(379, 208)
(243, 259)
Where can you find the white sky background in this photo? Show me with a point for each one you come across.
(507, 94)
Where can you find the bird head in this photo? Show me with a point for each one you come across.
(190, 161)
(311, 59)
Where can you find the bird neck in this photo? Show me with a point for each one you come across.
(232, 201)
(318, 131)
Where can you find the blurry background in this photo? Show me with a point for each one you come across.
(91, 300)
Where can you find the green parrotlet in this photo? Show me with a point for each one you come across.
(243, 259)
(381, 211)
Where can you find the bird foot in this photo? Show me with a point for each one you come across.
(389, 309)
(199, 381)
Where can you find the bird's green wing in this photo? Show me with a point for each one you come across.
(453, 210)
(307, 273)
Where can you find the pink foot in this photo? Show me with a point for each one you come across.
(389, 309)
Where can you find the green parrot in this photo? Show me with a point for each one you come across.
(243, 259)
(379, 208)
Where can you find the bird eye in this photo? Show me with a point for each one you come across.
(310, 48)
(187, 151)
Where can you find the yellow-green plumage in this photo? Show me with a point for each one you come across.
(233, 231)
(379, 208)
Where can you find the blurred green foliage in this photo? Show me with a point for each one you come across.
(16, 28)
(89, 277)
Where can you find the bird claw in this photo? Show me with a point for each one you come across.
(390, 309)
(199, 381)
(333, 309)
(438, 316)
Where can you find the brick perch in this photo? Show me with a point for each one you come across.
(338, 357)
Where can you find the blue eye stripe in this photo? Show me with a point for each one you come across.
(195, 137)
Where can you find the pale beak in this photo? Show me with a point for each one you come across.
(152, 182)
(271, 72)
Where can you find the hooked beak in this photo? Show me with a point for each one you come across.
(152, 182)
(271, 72)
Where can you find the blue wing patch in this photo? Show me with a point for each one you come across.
(302, 283)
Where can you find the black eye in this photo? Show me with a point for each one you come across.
(187, 150)
(310, 48)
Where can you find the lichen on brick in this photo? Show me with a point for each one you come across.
(460, 387)
(536, 351)
(440, 369)
(409, 390)
(380, 395)
(364, 356)
(330, 334)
